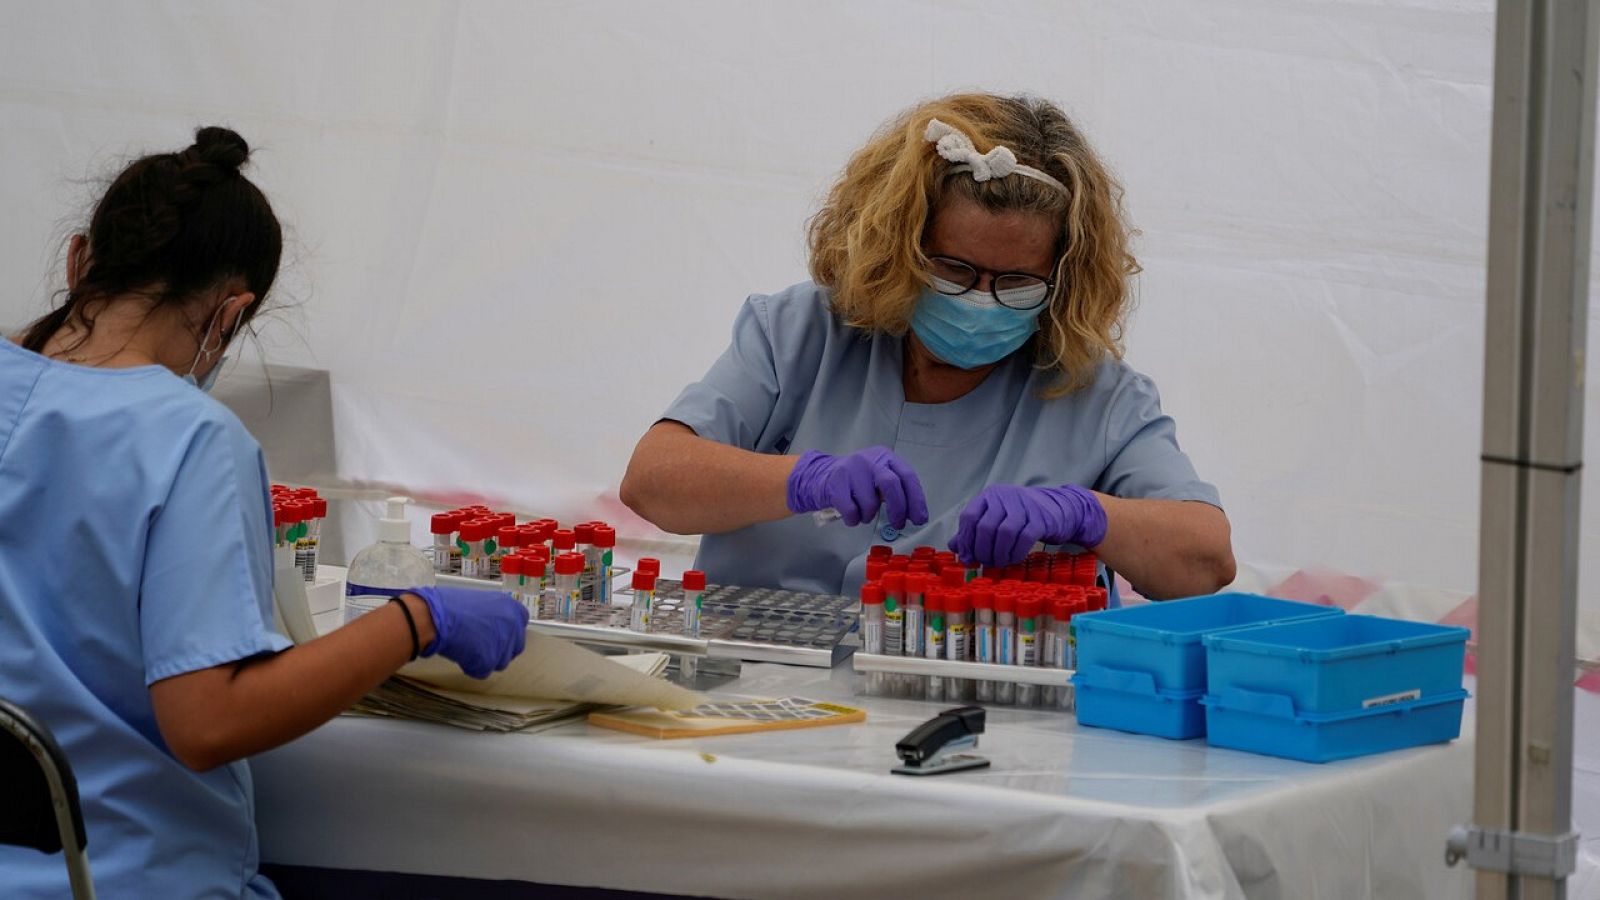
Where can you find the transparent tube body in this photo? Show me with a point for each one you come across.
(567, 596)
(444, 550)
(983, 649)
(694, 600)
(1027, 655)
(894, 624)
(933, 639)
(639, 616)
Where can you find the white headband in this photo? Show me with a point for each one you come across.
(997, 163)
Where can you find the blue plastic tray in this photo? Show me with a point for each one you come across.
(1130, 701)
(1268, 723)
(1343, 664)
(1164, 638)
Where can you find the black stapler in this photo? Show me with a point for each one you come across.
(932, 748)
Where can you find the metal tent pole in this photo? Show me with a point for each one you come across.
(1541, 180)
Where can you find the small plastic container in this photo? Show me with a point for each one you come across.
(1341, 664)
(1130, 701)
(1268, 724)
(1143, 668)
(1164, 639)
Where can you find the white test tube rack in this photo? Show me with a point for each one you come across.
(1030, 686)
(602, 635)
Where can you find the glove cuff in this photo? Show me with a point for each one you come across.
(1083, 508)
(430, 596)
(801, 496)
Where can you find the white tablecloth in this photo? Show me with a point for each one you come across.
(1064, 811)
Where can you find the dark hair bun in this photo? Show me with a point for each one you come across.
(221, 147)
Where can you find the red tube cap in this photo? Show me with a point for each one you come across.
(644, 581)
(694, 580)
(872, 594)
(569, 564)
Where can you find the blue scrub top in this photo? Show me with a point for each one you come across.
(797, 379)
(135, 545)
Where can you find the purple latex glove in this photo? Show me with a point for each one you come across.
(856, 485)
(480, 631)
(1002, 523)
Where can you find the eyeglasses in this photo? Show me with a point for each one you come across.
(1014, 290)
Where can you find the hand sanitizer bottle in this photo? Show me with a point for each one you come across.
(388, 568)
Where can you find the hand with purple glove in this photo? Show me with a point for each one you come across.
(481, 631)
(1002, 523)
(856, 485)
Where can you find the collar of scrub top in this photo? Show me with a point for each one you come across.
(999, 162)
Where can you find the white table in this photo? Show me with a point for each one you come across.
(1064, 811)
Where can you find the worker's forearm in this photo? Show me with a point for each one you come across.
(1167, 548)
(234, 712)
(686, 484)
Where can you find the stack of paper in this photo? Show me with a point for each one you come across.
(552, 682)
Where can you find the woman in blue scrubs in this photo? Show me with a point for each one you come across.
(952, 375)
(135, 545)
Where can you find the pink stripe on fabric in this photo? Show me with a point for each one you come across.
(1325, 588)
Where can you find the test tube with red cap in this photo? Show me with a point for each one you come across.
(1029, 608)
(644, 597)
(511, 578)
(915, 612)
(958, 636)
(876, 569)
(894, 613)
(873, 597)
(583, 542)
(446, 557)
(983, 633)
(536, 571)
(1005, 636)
(933, 637)
(605, 561)
(470, 539)
(694, 600)
(536, 581)
(508, 540)
(563, 540)
(566, 591)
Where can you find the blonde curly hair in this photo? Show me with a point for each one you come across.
(866, 240)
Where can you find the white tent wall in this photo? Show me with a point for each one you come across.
(519, 228)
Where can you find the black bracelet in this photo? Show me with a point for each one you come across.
(416, 643)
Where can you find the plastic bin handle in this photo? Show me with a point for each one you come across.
(1280, 705)
(1125, 680)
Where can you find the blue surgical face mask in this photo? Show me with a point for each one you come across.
(211, 376)
(971, 330)
(203, 352)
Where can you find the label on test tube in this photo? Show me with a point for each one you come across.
(916, 588)
(1028, 631)
(872, 599)
(644, 596)
(983, 625)
(933, 632)
(894, 597)
(1005, 628)
(694, 600)
(567, 591)
(958, 628)
(605, 541)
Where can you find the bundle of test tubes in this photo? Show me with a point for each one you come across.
(929, 605)
(297, 515)
(552, 569)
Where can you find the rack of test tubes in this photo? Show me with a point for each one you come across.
(567, 578)
(932, 628)
(297, 516)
